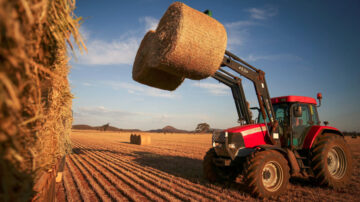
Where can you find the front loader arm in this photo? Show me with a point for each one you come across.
(234, 82)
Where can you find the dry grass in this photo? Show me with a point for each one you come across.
(35, 98)
(105, 166)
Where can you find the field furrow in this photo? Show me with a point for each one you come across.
(204, 191)
(122, 185)
(100, 192)
(86, 192)
(71, 190)
(152, 175)
(157, 182)
(152, 189)
(109, 187)
(105, 167)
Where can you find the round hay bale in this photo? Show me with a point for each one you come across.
(137, 139)
(191, 44)
(131, 139)
(140, 139)
(143, 71)
(144, 139)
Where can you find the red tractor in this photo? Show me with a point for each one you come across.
(285, 140)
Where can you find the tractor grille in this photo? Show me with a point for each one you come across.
(218, 137)
(221, 151)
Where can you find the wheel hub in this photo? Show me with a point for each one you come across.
(336, 162)
(266, 175)
(272, 176)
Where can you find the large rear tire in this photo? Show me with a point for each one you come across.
(331, 161)
(266, 173)
(212, 172)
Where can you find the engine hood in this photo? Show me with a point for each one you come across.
(253, 135)
(248, 128)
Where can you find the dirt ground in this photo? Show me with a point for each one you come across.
(104, 166)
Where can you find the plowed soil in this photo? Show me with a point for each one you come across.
(104, 166)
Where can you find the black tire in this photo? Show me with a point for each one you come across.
(331, 161)
(266, 174)
(212, 173)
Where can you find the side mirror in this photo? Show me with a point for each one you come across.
(319, 97)
(298, 111)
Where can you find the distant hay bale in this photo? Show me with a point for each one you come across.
(146, 74)
(187, 43)
(140, 139)
(35, 97)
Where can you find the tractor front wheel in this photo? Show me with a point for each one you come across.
(266, 173)
(212, 172)
(331, 161)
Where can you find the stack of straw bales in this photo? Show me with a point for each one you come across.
(186, 44)
(142, 139)
(35, 98)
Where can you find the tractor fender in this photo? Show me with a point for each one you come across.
(244, 152)
(316, 131)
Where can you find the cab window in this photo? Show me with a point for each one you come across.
(281, 113)
(304, 120)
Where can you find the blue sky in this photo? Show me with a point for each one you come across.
(304, 47)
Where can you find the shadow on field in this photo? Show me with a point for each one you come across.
(184, 167)
(77, 150)
(179, 166)
(305, 182)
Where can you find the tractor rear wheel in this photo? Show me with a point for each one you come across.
(331, 161)
(266, 173)
(212, 172)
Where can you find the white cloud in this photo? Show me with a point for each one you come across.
(274, 57)
(101, 111)
(159, 93)
(137, 89)
(115, 52)
(99, 115)
(110, 53)
(87, 84)
(262, 14)
(150, 23)
(241, 23)
(213, 88)
(237, 33)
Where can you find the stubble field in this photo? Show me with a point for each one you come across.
(104, 166)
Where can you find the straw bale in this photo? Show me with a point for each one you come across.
(143, 71)
(142, 139)
(190, 43)
(132, 139)
(35, 97)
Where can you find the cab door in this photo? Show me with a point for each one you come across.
(300, 125)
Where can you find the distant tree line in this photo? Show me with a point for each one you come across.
(352, 134)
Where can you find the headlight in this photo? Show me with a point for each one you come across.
(216, 144)
(232, 146)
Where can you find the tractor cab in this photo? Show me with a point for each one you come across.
(295, 115)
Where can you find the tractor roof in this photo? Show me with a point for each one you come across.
(293, 98)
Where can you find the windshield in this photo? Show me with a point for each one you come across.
(281, 113)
